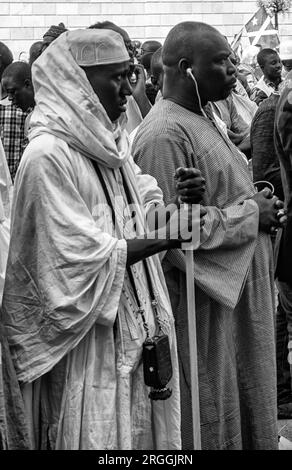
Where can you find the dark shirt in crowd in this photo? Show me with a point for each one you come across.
(283, 145)
(265, 163)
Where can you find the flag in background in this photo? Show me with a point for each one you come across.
(260, 30)
(236, 45)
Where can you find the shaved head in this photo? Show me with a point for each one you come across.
(184, 39)
(16, 81)
(20, 71)
(197, 66)
(6, 57)
(35, 51)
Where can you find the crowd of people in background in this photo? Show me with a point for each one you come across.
(94, 119)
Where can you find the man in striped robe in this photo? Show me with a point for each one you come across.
(233, 265)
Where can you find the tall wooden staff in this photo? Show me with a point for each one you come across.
(192, 327)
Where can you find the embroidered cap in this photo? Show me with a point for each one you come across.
(54, 32)
(91, 47)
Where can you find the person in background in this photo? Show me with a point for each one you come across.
(53, 33)
(17, 83)
(156, 73)
(12, 121)
(248, 67)
(13, 426)
(238, 130)
(265, 162)
(271, 66)
(285, 53)
(35, 51)
(147, 50)
(233, 268)
(137, 49)
(283, 246)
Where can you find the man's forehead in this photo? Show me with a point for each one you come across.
(116, 67)
(9, 80)
(272, 56)
(214, 41)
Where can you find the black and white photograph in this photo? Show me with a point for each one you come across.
(145, 228)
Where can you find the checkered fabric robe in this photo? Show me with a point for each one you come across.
(12, 123)
(233, 279)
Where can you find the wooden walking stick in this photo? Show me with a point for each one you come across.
(192, 328)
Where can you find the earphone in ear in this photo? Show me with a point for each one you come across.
(189, 72)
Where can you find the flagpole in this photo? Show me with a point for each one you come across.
(276, 21)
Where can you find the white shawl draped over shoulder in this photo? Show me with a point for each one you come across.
(66, 286)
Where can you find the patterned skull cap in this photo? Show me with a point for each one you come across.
(91, 47)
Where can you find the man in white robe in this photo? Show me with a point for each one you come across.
(70, 312)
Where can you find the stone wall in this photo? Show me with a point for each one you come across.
(22, 22)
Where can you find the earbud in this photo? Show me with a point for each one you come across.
(189, 72)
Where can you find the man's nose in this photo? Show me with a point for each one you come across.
(231, 68)
(127, 88)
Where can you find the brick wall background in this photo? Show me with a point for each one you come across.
(23, 22)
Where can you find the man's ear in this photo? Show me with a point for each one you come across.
(183, 66)
(28, 83)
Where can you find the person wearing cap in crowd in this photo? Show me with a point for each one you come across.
(233, 269)
(78, 303)
(138, 104)
(283, 248)
(53, 33)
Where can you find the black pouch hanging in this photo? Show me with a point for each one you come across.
(157, 366)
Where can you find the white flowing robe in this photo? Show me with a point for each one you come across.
(69, 310)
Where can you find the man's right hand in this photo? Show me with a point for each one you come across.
(269, 207)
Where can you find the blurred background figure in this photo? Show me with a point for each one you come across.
(271, 65)
(137, 49)
(147, 50)
(286, 57)
(35, 51)
(248, 66)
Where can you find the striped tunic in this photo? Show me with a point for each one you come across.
(233, 282)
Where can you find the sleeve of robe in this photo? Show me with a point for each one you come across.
(64, 273)
(228, 238)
